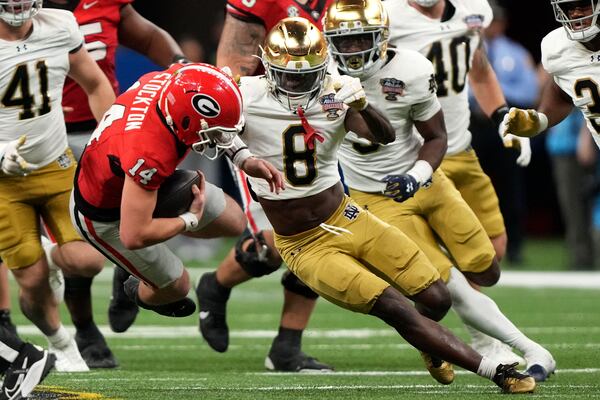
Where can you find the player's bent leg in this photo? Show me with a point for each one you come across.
(434, 302)
(5, 320)
(122, 311)
(489, 277)
(432, 338)
(482, 313)
(250, 258)
(286, 350)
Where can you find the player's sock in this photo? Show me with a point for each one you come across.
(78, 297)
(479, 311)
(289, 339)
(487, 368)
(60, 338)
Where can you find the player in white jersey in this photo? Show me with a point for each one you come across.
(570, 56)
(448, 33)
(296, 118)
(38, 49)
(400, 83)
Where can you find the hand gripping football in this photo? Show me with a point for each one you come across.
(175, 194)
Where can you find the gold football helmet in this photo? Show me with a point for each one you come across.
(295, 59)
(357, 32)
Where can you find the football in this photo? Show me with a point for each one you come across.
(175, 194)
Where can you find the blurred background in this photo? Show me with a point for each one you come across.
(549, 207)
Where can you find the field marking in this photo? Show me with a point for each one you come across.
(321, 346)
(166, 332)
(530, 279)
(406, 373)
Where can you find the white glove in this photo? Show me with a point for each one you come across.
(11, 161)
(518, 143)
(349, 90)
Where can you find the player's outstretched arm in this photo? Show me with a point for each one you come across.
(555, 106)
(258, 168)
(238, 46)
(141, 35)
(85, 71)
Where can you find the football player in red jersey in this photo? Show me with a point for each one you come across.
(105, 24)
(140, 141)
(246, 25)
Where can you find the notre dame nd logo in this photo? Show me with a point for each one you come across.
(331, 106)
(392, 88)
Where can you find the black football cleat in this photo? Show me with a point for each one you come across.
(284, 361)
(212, 299)
(511, 381)
(6, 324)
(29, 369)
(122, 311)
(177, 309)
(94, 350)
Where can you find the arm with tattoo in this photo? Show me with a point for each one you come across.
(239, 46)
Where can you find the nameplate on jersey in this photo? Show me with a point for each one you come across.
(392, 88)
(331, 106)
(474, 21)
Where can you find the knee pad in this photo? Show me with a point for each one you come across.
(292, 283)
(253, 263)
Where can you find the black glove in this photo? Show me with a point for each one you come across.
(400, 187)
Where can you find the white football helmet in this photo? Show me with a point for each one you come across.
(426, 3)
(16, 12)
(583, 27)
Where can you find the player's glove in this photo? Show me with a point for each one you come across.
(349, 90)
(512, 141)
(524, 123)
(11, 161)
(400, 187)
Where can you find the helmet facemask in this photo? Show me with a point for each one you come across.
(358, 51)
(578, 17)
(296, 85)
(426, 3)
(217, 138)
(17, 12)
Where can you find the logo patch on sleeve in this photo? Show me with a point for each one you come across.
(331, 106)
(474, 21)
(392, 88)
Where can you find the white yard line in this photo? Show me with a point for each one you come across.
(161, 332)
(531, 279)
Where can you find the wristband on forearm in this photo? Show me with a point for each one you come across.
(498, 115)
(180, 59)
(190, 220)
(421, 171)
(238, 152)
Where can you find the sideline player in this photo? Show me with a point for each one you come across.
(448, 33)
(105, 25)
(246, 25)
(343, 252)
(570, 56)
(424, 203)
(39, 48)
(139, 143)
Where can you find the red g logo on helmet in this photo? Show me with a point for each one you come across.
(206, 106)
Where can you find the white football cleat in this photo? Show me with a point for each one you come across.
(68, 358)
(55, 275)
(496, 350)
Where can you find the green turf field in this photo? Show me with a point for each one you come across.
(371, 360)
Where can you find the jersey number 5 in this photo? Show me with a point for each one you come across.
(20, 83)
(293, 158)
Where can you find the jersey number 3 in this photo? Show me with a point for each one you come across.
(292, 158)
(18, 92)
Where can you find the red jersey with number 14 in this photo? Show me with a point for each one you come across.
(99, 22)
(132, 139)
